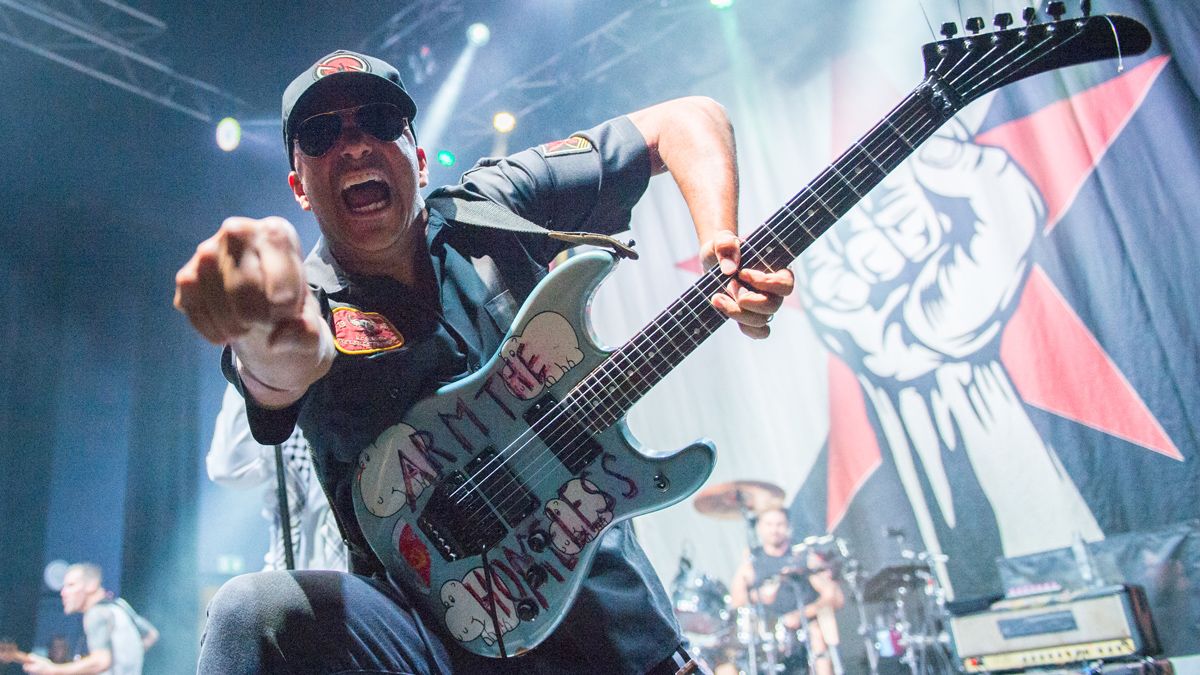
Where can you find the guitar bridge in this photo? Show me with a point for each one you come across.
(461, 517)
(458, 521)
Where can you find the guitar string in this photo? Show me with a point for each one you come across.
(699, 293)
(766, 230)
(596, 382)
(617, 355)
(768, 227)
(592, 384)
(595, 379)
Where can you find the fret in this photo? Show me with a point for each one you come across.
(607, 393)
(846, 182)
(899, 135)
(863, 149)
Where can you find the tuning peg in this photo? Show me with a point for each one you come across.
(949, 29)
(1029, 15)
(1003, 20)
(1086, 8)
(1056, 10)
(975, 24)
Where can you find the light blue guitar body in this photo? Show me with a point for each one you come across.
(544, 518)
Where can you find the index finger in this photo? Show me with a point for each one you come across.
(281, 268)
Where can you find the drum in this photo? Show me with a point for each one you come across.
(700, 604)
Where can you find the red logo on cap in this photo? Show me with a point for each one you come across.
(341, 63)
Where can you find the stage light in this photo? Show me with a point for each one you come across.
(504, 122)
(446, 158)
(478, 34)
(229, 134)
(721, 4)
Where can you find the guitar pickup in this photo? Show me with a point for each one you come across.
(561, 431)
(503, 489)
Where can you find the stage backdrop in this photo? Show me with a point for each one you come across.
(995, 352)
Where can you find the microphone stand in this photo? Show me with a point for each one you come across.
(758, 614)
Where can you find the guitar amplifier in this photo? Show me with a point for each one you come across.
(1047, 630)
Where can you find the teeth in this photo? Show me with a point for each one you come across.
(360, 177)
(371, 207)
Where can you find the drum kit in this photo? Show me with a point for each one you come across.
(900, 608)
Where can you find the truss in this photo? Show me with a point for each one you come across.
(590, 60)
(108, 40)
(427, 20)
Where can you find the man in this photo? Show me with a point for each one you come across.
(413, 313)
(235, 460)
(117, 637)
(791, 593)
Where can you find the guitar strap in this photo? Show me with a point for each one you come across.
(488, 214)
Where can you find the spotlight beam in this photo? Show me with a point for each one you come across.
(433, 123)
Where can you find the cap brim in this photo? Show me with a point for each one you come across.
(345, 90)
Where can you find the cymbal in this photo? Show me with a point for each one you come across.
(726, 500)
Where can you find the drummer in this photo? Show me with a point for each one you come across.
(788, 585)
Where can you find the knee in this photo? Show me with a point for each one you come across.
(246, 606)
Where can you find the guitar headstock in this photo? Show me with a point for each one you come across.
(971, 65)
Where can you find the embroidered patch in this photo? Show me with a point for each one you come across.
(340, 63)
(567, 146)
(359, 332)
(413, 550)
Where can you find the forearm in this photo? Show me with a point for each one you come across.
(277, 366)
(693, 140)
(149, 639)
(88, 665)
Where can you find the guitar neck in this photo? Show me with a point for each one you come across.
(610, 391)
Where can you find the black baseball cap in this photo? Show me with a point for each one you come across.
(365, 78)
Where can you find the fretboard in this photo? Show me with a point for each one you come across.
(609, 391)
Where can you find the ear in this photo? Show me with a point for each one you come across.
(422, 168)
(298, 191)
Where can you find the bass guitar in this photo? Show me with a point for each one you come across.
(487, 502)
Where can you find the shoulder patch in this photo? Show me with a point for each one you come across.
(567, 146)
(359, 332)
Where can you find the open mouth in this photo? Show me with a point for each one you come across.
(366, 192)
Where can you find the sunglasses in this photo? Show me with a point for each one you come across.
(317, 134)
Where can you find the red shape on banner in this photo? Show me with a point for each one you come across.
(1057, 365)
(1059, 145)
(853, 453)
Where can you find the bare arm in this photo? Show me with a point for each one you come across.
(739, 593)
(829, 591)
(149, 638)
(692, 138)
(96, 662)
(245, 287)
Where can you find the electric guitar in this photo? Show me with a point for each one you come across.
(487, 502)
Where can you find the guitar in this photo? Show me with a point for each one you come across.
(487, 502)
